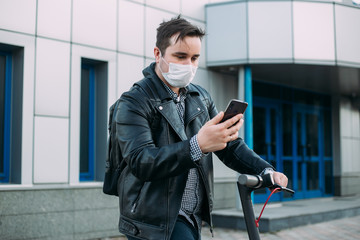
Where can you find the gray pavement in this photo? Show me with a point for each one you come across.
(318, 219)
(285, 215)
(345, 229)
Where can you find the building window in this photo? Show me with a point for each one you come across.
(93, 116)
(5, 114)
(11, 98)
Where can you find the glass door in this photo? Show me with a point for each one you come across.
(267, 140)
(293, 131)
(308, 154)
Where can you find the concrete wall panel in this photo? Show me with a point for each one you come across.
(58, 214)
(18, 15)
(170, 6)
(313, 25)
(52, 78)
(347, 35)
(130, 71)
(194, 9)
(226, 34)
(94, 23)
(270, 31)
(131, 34)
(51, 150)
(54, 19)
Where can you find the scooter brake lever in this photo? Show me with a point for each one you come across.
(283, 188)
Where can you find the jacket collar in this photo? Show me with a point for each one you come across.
(166, 105)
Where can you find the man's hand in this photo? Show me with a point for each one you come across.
(214, 136)
(280, 179)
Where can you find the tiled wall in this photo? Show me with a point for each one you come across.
(348, 181)
(304, 32)
(350, 138)
(55, 36)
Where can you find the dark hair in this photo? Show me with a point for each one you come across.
(179, 26)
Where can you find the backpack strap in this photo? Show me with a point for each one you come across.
(114, 162)
(144, 84)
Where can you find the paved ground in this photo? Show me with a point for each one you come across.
(345, 229)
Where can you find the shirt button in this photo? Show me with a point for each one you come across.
(160, 108)
(198, 109)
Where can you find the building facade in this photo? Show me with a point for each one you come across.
(302, 59)
(63, 63)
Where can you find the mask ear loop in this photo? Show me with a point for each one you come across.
(161, 57)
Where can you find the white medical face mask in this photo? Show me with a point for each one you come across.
(179, 75)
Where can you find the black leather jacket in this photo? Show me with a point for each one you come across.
(157, 153)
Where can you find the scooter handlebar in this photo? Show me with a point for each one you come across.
(261, 181)
(256, 181)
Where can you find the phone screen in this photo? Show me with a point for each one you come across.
(234, 107)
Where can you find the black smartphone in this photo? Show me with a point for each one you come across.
(234, 108)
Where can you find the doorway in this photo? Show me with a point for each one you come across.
(267, 139)
(295, 137)
(308, 155)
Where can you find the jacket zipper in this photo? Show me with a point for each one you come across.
(133, 208)
(168, 210)
(208, 198)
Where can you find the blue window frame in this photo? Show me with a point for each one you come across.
(87, 119)
(93, 119)
(267, 141)
(5, 114)
(301, 146)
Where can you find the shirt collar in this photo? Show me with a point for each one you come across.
(173, 95)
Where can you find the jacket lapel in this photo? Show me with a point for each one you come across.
(169, 112)
(167, 108)
(193, 108)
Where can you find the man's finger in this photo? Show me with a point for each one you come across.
(217, 118)
(229, 123)
(280, 179)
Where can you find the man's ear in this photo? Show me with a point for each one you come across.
(157, 54)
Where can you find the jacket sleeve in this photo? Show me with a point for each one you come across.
(237, 155)
(146, 160)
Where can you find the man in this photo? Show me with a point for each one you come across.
(167, 129)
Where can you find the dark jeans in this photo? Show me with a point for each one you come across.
(183, 230)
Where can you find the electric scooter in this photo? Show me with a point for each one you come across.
(246, 185)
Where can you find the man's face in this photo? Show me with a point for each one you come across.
(186, 51)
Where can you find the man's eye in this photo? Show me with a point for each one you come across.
(180, 57)
(194, 59)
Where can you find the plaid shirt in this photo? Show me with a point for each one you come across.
(193, 193)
